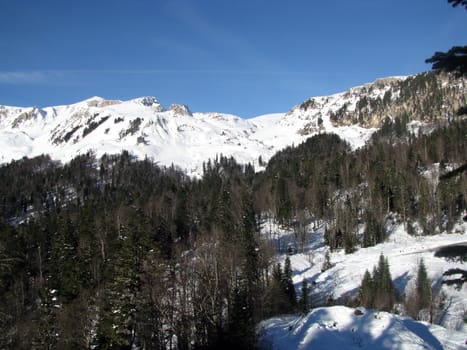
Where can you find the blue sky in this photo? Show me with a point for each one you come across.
(245, 57)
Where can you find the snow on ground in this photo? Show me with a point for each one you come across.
(341, 327)
(174, 136)
(343, 279)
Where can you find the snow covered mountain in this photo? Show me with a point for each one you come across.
(177, 136)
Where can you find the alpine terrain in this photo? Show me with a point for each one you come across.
(338, 224)
(177, 136)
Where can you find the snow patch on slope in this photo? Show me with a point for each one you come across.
(341, 327)
(343, 279)
(144, 128)
(174, 135)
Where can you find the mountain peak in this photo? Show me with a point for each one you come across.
(148, 101)
(97, 101)
(180, 109)
(142, 127)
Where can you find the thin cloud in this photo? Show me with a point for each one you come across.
(174, 71)
(58, 76)
(23, 78)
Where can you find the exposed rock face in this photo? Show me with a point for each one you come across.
(180, 109)
(97, 101)
(149, 101)
(178, 136)
(426, 97)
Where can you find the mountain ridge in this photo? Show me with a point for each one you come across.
(178, 136)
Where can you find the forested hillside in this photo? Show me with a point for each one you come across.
(116, 252)
(397, 173)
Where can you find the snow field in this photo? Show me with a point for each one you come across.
(174, 136)
(339, 327)
(334, 327)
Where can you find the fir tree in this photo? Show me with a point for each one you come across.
(241, 334)
(288, 285)
(385, 292)
(423, 286)
(277, 301)
(374, 231)
(377, 291)
(181, 219)
(304, 303)
(366, 292)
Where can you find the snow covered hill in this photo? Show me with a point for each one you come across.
(173, 136)
(341, 327)
(177, 136)
(338, 327)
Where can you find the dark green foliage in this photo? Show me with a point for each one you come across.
(423, 287)
(132, 128)
(93, 124)
(455, 60)
(377, 290)
(304, 302)
(287, 284)
(385, 292)
(241, 327)
(276, 299)
(68, 135)
(384, 178)
(458, 2)
(281, 297)
(366, 292)
(310, 103)
(283, 203)
(419, 300)
(118, 252)
(374, 231)
(181, 216)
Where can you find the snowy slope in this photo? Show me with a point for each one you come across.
(339, 327)
(343, 279)
(177, 136)
(141, 126)
(169, 136)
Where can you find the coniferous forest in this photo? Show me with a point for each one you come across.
(117, 253)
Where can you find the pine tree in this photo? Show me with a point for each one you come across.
(366, 292)
(276, 299)
(241, 334)
(377, 291)
(288, 285)
(249, 229)
(224, 213)
(181, 216)
(374, 231)
(120, 301)
(418, 302)
(282, 201)
(304, 303)
(246, 293)
(423, 298)
(65, 267)
(385, 291)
